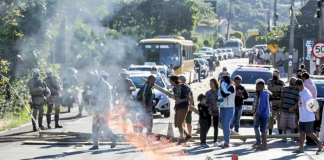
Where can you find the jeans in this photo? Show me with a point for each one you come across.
(204, 127)
(215, 123)
(236, 118)
(282, 71)
(199, 74)
(262, 122)
(226, 117)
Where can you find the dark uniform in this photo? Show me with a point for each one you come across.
(276, 87)
(56, 87)
(70, 88)
(147, 93)
(35, 84)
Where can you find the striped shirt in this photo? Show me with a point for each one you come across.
(289, 98)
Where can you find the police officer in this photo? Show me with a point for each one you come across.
(124, 87)
(275, 85)
(86, 94)
(101, 99)
(71, 82)
(38, 90)
(55, 86)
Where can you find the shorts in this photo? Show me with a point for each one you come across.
(288, 120)
(179, 118)
(189, 117)
(307, 127)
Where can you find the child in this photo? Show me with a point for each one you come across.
(261, 113)
(224, 89)
(204, 119)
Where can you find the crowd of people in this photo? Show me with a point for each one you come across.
(221, 105)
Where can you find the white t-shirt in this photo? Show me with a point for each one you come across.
(304, 114)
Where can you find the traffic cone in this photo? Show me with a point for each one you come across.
(170, 130)
(234, 157)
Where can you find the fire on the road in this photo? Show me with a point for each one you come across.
(150, 145)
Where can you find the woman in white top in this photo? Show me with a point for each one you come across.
(227, 111)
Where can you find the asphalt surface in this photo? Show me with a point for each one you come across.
(277, 150)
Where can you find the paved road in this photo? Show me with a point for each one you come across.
(278, 150)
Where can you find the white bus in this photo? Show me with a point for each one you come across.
(236, 45)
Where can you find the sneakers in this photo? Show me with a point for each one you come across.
(204, 145)
(216, 144)
(225, 146)
(93, 148)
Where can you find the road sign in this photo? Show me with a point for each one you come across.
(273, 47)
(318, 50)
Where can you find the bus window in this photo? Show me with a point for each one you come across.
(163, 54)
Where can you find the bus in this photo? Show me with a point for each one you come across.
(167, 50)
(236, 45)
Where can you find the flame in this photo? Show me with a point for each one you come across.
(150, 145)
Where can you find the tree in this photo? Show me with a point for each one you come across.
(238, 35)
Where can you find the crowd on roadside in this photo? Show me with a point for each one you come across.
(278, 104)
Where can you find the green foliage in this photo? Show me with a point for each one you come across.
(215, 41)
(238, 35)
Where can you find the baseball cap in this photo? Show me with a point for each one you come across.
(48, 71)
(36, 70)
(123, 71)
(259, 80)
(103, 74)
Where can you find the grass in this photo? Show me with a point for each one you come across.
(13, 120)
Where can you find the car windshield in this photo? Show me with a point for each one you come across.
(232, 44)
(201, 62)
(320, 89)
(209, 53)
(140, 69)
(138, 83)
(250, 77)
(229, 50)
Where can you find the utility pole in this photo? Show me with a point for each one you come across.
(321, 38)
(229, 20)
(269, 17)
(291, 39)
(275, 16)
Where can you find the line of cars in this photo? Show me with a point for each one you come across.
(221, 53)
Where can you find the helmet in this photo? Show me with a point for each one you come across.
(103, 74)
(36, 70)
(123, 71)
(49, 71)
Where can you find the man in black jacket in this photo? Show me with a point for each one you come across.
(241, 94)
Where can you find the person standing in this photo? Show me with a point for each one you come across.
(223, 73)
(317, 71)
(290, 97)
(71, 86)
(302, 67)
(241, 94)
(146, 96)
(275, 85)
(306, 118)
(308, 84)
(227, 111)
(54, 102)
(251, 58)
(171, 70)
(37, 90)
(281, 66)
(182, 97)
(101, 100)
(204, 119)
(261, 112)
(182, 80)
(198, 69)
(211, 102)
(267, 58)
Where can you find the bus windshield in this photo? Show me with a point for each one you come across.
(231, 44)
(162, 54)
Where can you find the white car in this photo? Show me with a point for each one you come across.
(162, 69)
(230, 53)
(162, 101)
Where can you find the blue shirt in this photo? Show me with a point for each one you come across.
(181, 92)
